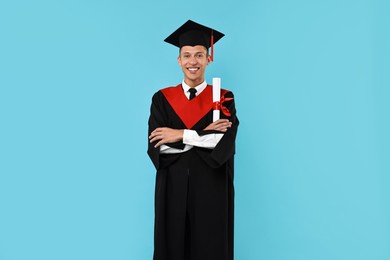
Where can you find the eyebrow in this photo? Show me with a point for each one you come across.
(198, 52)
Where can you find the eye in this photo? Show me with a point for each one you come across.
(200, 55)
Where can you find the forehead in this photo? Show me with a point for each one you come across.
(193, 49)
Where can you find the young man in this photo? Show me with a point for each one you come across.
(194, 157)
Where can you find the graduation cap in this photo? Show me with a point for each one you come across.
(192, 33)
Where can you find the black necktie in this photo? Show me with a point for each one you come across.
(192, 93)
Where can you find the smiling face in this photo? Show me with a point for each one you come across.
(193, 61)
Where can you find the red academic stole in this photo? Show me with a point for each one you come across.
(191, 111)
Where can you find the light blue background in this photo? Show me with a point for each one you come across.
(311, 80)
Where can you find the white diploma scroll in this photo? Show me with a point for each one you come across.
(216, 96)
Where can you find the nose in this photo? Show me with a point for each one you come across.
(193, 60)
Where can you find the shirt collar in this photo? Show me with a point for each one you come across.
(198, 88)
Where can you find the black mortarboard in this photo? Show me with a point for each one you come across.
(192, 33)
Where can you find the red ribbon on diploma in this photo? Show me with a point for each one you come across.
(218, 106)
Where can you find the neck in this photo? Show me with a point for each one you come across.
(193, 83)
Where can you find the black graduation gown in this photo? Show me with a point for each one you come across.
(194, 194)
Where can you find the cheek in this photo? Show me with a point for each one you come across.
(202, 62)
(183, 62)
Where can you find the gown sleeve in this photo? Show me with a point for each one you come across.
(158, 118)
(225, 149)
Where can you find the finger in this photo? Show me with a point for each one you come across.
(157, 130)
(159, 143)
(222, 122)
(156, 138)
(223, 130)
(222, 126)
(154, 133)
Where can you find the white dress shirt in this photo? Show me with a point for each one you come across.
(191, 137)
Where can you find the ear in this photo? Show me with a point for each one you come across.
(179, 60)
(208, 59)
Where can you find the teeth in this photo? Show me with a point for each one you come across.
(193, 69)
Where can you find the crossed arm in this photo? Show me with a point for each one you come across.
(164, 135)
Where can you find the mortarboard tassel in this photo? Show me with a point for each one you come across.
(212, 46)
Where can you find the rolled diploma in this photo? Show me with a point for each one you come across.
(216, 96)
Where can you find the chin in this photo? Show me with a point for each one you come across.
(194, 79)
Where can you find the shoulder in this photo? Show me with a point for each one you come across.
(227, 93)
(171, 89)
(161, 94)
